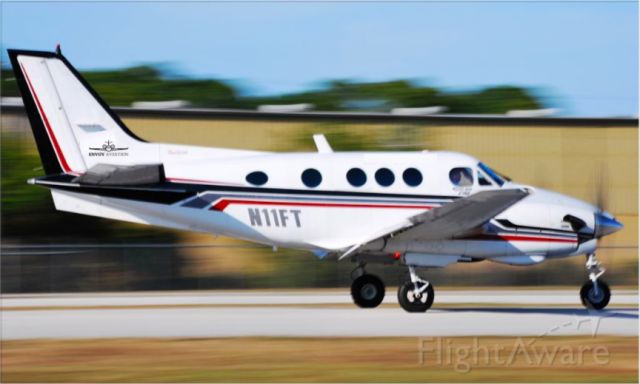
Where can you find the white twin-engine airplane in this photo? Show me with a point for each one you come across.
(419, 209)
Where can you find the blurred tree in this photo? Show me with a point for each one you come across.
(495, 100)
(150, 83)
(28, 213)
(8, 87)
(146, 83)
(28, 217)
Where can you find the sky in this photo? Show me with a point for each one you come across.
(579, 57)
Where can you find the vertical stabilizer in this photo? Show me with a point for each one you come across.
(73, 127)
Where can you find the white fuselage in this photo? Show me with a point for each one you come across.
(336, 214)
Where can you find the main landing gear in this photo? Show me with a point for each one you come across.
(415, 295)
(367, 290)
(595, 294)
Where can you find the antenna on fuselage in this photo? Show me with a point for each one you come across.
(322, 144)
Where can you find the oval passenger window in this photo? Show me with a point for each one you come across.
(311, 178)
(412, 177)
(257, 178)
(356, 177)
(385, 177)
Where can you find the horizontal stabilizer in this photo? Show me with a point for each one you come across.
(109, 174)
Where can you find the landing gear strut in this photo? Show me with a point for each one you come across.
(595, 294)
(415, 295)
(367, 290)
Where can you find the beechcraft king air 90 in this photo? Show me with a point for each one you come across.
(419, 209)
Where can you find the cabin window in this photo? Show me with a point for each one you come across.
(499, 179)
(257, 178)
(482, 179)
(311, 178)
(385, 177)
(356, 177)
(461, 177)
(412, 177)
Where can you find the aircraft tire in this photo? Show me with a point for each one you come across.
(593, 301)
(410, 303)
(367, 291)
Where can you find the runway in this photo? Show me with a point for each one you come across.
(320, 297)
(310, 314)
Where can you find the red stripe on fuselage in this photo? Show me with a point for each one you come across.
(223, 204)
(531, 238)
(506, 237)
(52, 137)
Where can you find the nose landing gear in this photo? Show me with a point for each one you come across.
(415, 295)
(367, 290)
(595, 294)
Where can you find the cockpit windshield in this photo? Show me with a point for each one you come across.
(495, 176)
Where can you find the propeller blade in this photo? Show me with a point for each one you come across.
(602, 187)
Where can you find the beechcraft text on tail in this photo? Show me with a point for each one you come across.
(427, 209)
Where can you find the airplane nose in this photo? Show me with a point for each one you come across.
(606, 224)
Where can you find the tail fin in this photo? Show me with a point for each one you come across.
(73, 127)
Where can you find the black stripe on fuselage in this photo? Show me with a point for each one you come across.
(520, 228)
(170, 193)
(143, 193)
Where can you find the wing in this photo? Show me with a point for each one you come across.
(461, 216)
(453, 219)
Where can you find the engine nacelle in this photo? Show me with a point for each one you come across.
(519, 260)
(429, 260)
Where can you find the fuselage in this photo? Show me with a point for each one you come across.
(329, 201)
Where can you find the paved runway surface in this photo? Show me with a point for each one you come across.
(280, 317)
(515, 297)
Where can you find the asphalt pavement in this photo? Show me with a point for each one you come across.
(310, 314)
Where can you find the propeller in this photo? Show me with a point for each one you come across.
(605, 223)
(602, 188)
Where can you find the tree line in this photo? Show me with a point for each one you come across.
(122, 87)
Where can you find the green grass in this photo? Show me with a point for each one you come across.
(306, 360)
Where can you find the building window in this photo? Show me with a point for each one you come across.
(257, 178)
(461, 177)
(311, 178)
(356, 177)
(412, 177)
(385, 177)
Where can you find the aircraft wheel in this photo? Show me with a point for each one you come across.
(595, 299)
(367, 291)
(412, 303)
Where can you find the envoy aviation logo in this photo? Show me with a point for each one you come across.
(108, 149)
